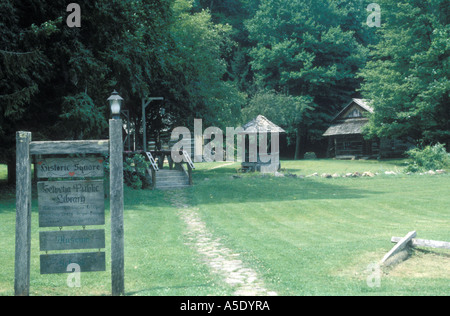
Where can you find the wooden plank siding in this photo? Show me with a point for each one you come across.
(354, 145)
(393, 148)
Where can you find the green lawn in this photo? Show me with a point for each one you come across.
(303, 236)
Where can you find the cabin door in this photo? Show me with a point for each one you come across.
(367, 148)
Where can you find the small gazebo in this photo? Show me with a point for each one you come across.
(264, 162)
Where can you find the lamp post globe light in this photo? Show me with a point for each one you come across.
(115, 102)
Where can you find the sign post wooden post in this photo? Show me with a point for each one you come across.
(23, 215)
(116, 207)
(70, 193)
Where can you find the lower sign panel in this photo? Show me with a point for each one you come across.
(58, 263)
(72, 239)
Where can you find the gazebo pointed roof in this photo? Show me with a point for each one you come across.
(262, 125)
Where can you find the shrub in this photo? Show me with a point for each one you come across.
(429, 158)
(135, 172)
(310, 155)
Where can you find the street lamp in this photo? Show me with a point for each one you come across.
(115, 102)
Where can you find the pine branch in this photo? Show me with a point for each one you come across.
(18, 53)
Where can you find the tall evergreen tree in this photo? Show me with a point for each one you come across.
(22, 68)
(55, 79)
(408, 74)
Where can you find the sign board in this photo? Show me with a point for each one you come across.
(69, 167)
(71, 203)
(58, 262)
(72, 239)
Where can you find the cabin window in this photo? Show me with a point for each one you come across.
(355, 113)
(346, 145)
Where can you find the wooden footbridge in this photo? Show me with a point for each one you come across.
(173, 176)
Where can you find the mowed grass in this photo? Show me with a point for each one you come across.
(304, 236)
(316, 236)
(157, 261)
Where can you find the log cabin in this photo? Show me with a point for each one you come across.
(346, 140)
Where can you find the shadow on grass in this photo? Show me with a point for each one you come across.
(271, 189)
(436, 252)
(147, 197)
(224, 185)
(148, 291)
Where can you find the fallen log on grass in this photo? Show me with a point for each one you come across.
(399, 247)
(425, 243)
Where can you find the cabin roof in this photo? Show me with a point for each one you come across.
(262, 125)
(348, 127)
(362, 103)
(342, 125)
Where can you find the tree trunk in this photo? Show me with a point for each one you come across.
(297, 143)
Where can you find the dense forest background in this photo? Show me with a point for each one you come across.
(225, 61)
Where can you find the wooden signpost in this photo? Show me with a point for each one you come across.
(23, 215)
(71, 203)
(70, 193)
